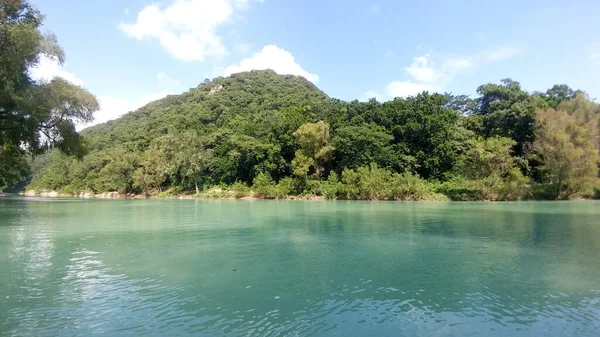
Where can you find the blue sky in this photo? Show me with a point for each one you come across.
(131, 52)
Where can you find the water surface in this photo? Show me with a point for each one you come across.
(293, 268)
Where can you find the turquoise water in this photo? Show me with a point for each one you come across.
(293, 268)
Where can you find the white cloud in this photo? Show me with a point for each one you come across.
(48, 68)
(187, 29)
(431, 73)
(408, 88)
(114, 107)
(422, 70)
(275, 58)
(110, 107)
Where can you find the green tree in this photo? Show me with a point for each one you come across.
(361, 145)
(425, 130)
(570, 160)
(264, 186)
(508, 111)
(315, 149)
(35, 116)
(150, 175)
(558, 94)
(492, 156)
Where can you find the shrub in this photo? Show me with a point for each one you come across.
(374, 182)
(264, 186)
(240, 190)
(332, 188)
(350, 184)
(408, 186)
(285, 187)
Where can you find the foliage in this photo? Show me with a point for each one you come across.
(34, 116)
(264, 186)
(491, 156)
(508, 111)
(271, 136)
(570, 159)
(408, 186)
(314, 148)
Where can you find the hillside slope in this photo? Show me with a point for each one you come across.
(210, 105)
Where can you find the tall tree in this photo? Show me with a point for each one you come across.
(569, 157)
(508, 111)
(315, 149)
(426, 131)
(35, 116)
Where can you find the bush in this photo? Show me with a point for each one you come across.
(264, 186)
(332, 188)
(408, 186)
(350, 184)
(285, 187)
(173, 191)
(515, 186)
(240, 190)
(374, 182)
(456, 189)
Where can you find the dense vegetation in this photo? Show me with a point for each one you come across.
(274, 136)
(34, 116)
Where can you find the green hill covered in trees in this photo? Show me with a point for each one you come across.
(273, 136)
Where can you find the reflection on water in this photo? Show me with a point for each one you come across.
(298, 268)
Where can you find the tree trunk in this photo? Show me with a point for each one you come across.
(197, 189)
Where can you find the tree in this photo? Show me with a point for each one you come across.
(568, 155)
(492, 156)
(184, 158)
(34, 116)
(315, 149)
(558, 94)
(361, 145)
(426, 131)
(508, 111)
(13, 165)
(150, 175)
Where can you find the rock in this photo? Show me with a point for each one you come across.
(49, 194)
(30, 193)
(87, 195)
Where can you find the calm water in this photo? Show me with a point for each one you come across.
(292, 268)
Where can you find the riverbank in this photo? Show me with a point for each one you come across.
(225, 193)
(211, 194)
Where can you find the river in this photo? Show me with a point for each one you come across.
(298, 268)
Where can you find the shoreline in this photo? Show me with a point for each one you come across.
(116, 195)
(209, 196)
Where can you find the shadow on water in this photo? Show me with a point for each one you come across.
(286, 268)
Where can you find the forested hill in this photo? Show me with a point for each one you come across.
(211, 105)
(268, 135)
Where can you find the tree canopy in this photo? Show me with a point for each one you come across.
(34, 116)
(280, 135)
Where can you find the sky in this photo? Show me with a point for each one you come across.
(129, 53)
